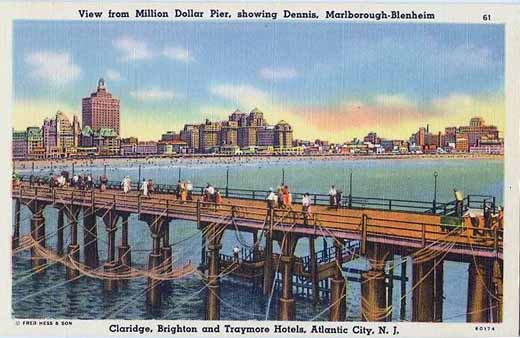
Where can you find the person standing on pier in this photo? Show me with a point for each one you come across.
(150, 187)
(144, 187)
(103, 180)
(211, 193)
(332, 196)
(306, 207)
(127, 184)
(287, 199)
(178, 189)
(218, 199)
(279, 193)
(189, 190)
(90, 182)
(338, 199)
(271, 199)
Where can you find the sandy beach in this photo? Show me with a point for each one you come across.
(231, 160)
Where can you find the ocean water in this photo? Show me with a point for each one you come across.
(49, 295)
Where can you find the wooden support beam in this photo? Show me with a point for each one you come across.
(268, 257)
(497, 287)
(16, 232)
(438, 290)
(38, 234)
(110, 219)
(90, 247)
(286, 302)
(390, 290)
(423, 279)
(314, 272)
(73, 250)
(403, 294)
(214, 236)
(166, 250)
(373, 288)
(124, 252)
(337, 308)
(61, 224)
(479, 281)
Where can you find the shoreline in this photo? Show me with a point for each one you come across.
(230, 160)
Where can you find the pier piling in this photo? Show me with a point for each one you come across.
(438, 290)
(90, 248)
(213, 240)
(125, 254)
(153, 290)
(166, 250)
(38, 234)
(479, 277)
(16, 232)
(337, 294)
(268, 257)
(423, 281)
(373, 288)
(111, 264)
(59, 240)
(286, 303)
(73, 248)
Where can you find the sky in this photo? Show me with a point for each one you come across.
(329, 80)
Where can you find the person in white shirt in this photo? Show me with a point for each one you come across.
(189, 188)
(211, 193)
(306, 206)
(332, 196)
(271, 198)
(127, 184)
(144, 187)
(236, 251)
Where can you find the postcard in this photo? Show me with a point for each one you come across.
(260, 169)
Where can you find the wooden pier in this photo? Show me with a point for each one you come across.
(376, 229)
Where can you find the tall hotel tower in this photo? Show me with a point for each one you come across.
(101, 110)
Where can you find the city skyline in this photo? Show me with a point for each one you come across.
(170, 75)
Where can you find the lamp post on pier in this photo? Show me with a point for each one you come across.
(350, 191)
(435, 174)
(139, 179)
(227, 181)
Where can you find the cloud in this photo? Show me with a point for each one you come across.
(132, 49)
(277, 73)
(153, 94)
(178, 53)
(393, 100)
(113, 75)
(57, 68)
(240, 95)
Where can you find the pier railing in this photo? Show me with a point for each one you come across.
(457, 208)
